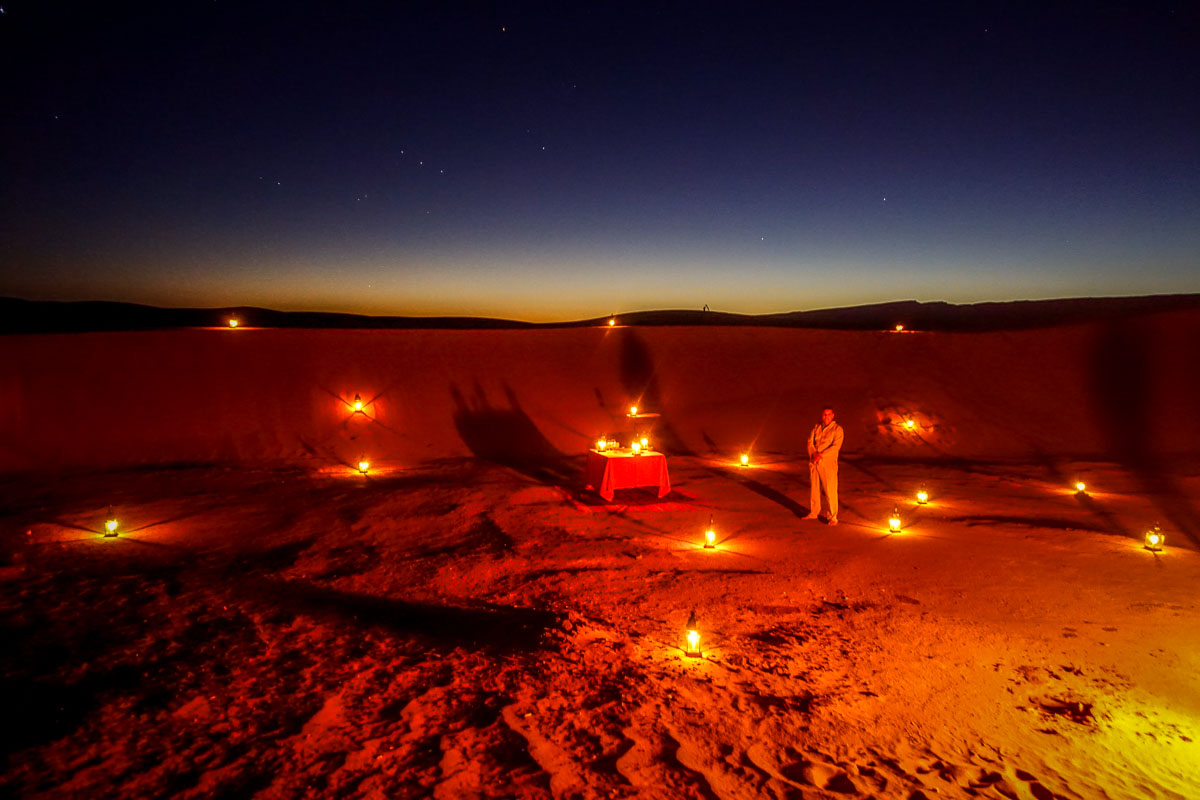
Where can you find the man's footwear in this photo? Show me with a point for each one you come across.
(833, 520)
(810, 516)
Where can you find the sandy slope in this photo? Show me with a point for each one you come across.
(472, 623)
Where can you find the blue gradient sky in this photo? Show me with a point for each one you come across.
(562, 161)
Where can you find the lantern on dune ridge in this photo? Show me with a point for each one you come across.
(910, 424)
(922, 495)
(1080, 487)
(363, 465)
(110, 524)
(1155, 539)
(633, 411)
(233, 323)
(745, 459)
(894, 520)
(710, 535)
(692, 647)
(899, 328)
(612, 321)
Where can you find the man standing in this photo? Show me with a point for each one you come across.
(824, 443)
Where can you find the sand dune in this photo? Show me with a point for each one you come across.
(467, 620)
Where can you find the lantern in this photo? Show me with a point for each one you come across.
(1155, 539)
(692, 649)
(233, 323)
(1080, 487)
(910, 424)
(633, 411)
(611, 321)
(710, 536)
(358, 404)
(899, 328)
(636, 447)
(894, 520)
(110, 524)
(745, 460)
(363, 465)
(922, 495)
(601, 444)
(645, 443)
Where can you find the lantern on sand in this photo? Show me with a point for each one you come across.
(363, 465)
(611, 321)
(745, 460)
(110, 524)
(1155, 539)
(910, 424)
(894, 520)
(358, 404)
(233, 323)
(710, 535)
(899, 328)
(633, 411)
(1080, 487)
(922, 495)
(692, 648)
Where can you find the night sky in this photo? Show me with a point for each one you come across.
(572, 159)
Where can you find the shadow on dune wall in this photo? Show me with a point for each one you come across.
(639, 378)
(504, 434)
(1122, 387)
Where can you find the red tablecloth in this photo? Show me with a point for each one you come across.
(609, 471)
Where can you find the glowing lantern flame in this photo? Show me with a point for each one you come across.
(908, 423)
(601, 444)
(233, 323)
(710, 535)
(922, 496)
(745, 460)
(645, 443)
(1080, 487)
(611, 322)
(894, 520)
(1155, 539)
(110, 525)
(899, 328)
(363, 466)
(633, 411)
(358, 403)
(636, 447)
(693, 637)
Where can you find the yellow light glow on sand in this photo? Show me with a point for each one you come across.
(1155, 539)
(745, 460)
(922, 496)
(233, 323)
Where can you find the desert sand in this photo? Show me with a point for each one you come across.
(467, 619)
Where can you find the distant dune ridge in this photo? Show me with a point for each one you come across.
(1122, 386)
(26, 316)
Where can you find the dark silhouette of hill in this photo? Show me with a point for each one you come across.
(28, 316)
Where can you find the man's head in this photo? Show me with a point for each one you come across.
(827, 416)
